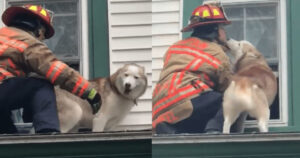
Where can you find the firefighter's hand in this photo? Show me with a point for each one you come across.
(95, 101)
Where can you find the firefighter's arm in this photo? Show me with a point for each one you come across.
(39, 58)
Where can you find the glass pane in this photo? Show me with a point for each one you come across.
(235, 30)
(232, 12)
(62, 7)
(262, 34)
(65, 41)
(263, 11)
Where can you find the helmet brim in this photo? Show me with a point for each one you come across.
(10, 13)
(190, 27)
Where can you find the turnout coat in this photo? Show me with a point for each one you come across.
(191, 67)
(21, 54)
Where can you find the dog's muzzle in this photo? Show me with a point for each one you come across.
(127, 88)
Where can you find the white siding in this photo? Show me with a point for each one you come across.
(130, 41)
(2, 7)
(166, 18)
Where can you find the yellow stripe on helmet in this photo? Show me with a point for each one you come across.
(43, 12)
(34, 8)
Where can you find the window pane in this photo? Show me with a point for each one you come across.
(262, 33)
(263, 11)
(235, 30)
(234, 12)
(65, 41)
(62, 7)
(258, 24)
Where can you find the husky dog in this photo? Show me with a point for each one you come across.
(253, 87)
(119, 93)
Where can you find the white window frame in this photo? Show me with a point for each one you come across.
(85, 40)
(282, 62)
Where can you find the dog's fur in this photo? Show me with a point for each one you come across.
(119, 93)
(253, 87)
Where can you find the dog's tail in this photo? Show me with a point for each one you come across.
(242, 92)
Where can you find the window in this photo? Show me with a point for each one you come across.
(69, 41)
(66, 42)
(263, 24)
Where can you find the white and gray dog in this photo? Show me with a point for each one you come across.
(119, 93)
(252, 90)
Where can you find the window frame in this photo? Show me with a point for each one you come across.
(282, 60)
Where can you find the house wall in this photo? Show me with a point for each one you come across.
(130, 36)
(165, 31)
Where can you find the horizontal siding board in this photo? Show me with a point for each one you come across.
(142, 106)
(129, 31)
(157, 64)
(148, 93)
(159, 51)
(165, 17)
(133, 7)
(155, 75)
(165, 28)
(165, 6)
(131, 19)
(126, 55)
(130, 43)
(161, 40)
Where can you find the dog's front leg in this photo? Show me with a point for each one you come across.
(99, 123)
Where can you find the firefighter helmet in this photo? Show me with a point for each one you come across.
(204, 15)
(37, 11)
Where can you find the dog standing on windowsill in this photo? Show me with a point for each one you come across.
(119, 93)
(253, 87)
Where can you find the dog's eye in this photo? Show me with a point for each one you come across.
(136, 77)
(126, 75)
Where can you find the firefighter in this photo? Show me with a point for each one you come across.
(196, 71)
(21, 53)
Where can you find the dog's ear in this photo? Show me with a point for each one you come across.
(114, 76)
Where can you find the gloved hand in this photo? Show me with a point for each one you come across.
(95, 101)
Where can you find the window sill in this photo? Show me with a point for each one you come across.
(75, 137)
(264, 145)
(224, 138)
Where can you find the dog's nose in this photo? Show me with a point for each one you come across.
(127, 85)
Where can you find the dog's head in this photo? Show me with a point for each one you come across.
(243, 49)
(131, 81)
